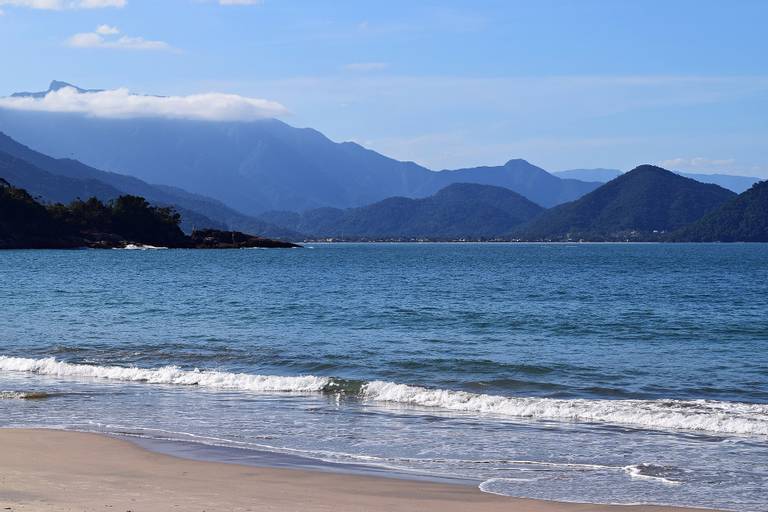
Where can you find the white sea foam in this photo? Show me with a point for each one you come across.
(492, 485)
(698, 415)
(142, 247)
(636, 471)
(640, 471)
(166, 375)
(703, 415)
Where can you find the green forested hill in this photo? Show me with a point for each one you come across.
(639, 205)
(742, 219)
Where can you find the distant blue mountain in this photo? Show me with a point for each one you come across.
(520, 176)
(736, 184)
(49, 187)
(63, 180)
(262, 165)
(599, 175)
(459, 211)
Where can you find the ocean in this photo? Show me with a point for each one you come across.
(606, 373)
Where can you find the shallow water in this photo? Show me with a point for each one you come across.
(605, 373)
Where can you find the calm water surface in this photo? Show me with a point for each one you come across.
(600, 373)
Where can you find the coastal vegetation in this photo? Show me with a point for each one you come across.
(123, 221)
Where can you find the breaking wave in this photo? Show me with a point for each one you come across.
(698, 415)
(167, 375)
(703, 415)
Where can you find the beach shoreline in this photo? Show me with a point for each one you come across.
(55, 470)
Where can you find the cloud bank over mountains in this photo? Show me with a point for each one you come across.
(121, 104)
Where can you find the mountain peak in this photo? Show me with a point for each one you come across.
(56, 85)
(640, 204)
(516, 161)
(649, 168)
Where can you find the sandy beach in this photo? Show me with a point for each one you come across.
(48, 470)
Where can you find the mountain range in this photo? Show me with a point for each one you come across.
(268, 178)
(262, 165)
(62, 180)
(646, 204)
(466, 211)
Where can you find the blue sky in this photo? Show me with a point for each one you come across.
(564, 84)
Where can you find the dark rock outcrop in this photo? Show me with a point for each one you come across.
(216, 239)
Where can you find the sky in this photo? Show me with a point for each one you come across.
(449, 84)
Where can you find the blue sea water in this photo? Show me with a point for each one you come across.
(626, 373)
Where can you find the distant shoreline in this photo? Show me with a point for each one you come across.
(522, 242)
(300, 244)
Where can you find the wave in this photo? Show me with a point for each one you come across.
(696, 415)
(167, 375)
(701, 415)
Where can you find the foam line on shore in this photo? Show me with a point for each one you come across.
(697, 415)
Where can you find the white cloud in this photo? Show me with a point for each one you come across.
(97, 4)
(102, 38)
(86, 40)
(106, 30)
(366, 66)
(698, 163)
(137, 43)
(57, 5)
(120, 103)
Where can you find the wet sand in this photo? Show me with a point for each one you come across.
(49, 470)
